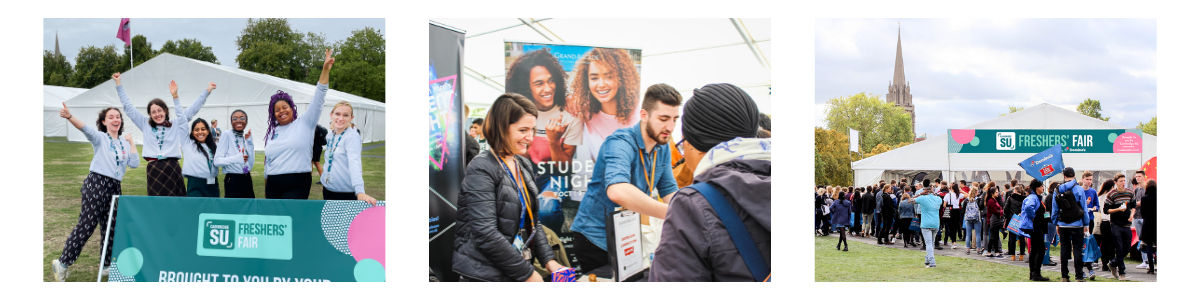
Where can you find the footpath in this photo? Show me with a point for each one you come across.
(1053, 272)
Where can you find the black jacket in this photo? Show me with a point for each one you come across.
(489, 211)
(886, 207)
(868, 203)
(695, 245)
(472, 147)
(1013, 205)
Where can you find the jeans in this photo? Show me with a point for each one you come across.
(974, 234)
(1071, 246)
(1121, 240)
(928, 234)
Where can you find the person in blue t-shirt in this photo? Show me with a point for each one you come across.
(633, 170)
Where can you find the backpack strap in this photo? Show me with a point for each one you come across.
(737, 230)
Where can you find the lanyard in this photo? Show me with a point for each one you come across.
(653, 165)
(238, 141)
(208, 156)
(160, 138)
(524, 194)
(114, 150)
(329, 159)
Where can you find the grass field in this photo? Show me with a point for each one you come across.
(871, 263)
(65, 165)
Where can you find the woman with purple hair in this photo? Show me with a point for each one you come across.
(289, 140)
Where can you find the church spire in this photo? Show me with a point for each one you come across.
(56, 52)
(898, 77)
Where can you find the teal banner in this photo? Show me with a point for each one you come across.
(181, 239)
(1037, 140)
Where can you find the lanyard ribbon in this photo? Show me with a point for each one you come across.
(653, 165)
(524, 194)
(329, 158)
(114, 150)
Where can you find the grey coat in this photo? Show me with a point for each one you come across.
(695, 245)
(488, 212)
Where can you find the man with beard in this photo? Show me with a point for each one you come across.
(633, 170)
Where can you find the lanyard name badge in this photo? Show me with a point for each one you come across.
(160, 139)
(519, 241)
(208, 156)
(653, 192)
(111, 144)
(329, 157)
(238, 141)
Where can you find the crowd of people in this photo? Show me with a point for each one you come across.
(981, 214)
(288, 144)
(502, 238)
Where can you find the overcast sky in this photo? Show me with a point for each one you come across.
(965, 71)
(220, 34)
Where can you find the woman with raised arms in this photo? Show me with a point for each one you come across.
(110, 157)
(289, 139)
(161, 141)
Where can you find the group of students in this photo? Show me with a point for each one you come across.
(981, 212)
(501, 237)
(288, 147)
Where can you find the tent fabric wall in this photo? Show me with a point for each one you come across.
(932, 154)
(52, 100)
(236, 89)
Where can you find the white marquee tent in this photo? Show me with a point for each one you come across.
(932, 156)
(685, 53)
(52, 100)
(236, 89)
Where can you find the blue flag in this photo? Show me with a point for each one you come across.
(1045, 164)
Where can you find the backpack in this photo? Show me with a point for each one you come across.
(1068, 209)
(972, 210)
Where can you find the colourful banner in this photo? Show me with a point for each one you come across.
(447, 153)
(1037, 140)
(571, 85)
(1045, 164)
(181, 239)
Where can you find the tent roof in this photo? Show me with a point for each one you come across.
(53, 96)
(192, 77)
(932, 153)
(685, 53)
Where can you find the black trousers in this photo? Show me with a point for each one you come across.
(289, 186)
(1122, 237)
(331, 195)
(1107, 248)
(239, 186)
(1071, 243)
(97, 194)
(885, 227)
(905, 233)
(1013, 240)
(1037, 253)
(994, 240)
(589, 255)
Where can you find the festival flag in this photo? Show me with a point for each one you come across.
(123, 32)
(1151, 168)
(1045, 164)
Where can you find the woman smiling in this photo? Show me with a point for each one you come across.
(161, 141)
(289, 139)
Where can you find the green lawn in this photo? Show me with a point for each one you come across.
(871, 263)
(65, 165)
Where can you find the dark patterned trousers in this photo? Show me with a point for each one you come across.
(164, 177)
(97, 192)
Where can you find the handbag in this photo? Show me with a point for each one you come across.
(915, 225)
(1091, 252)
(1014, 225)
(737, 231)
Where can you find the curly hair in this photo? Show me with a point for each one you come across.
(271, 121)
(517, 80)
(103, 113)
(584, 105)
(166, 112)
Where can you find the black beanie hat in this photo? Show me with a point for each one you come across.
(717, 113)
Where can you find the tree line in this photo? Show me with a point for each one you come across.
(267, 46)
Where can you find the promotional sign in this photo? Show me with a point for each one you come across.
(446, 161)
(191, 239)
(589, 92)
(624, 230)
(1045, 164)
(1036, 140)
(853, 140)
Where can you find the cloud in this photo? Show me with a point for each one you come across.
(963, 71)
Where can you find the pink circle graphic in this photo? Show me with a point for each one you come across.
(366, 237)
(962, 136)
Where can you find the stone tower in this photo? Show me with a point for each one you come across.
(898, 91)
(56, 52)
